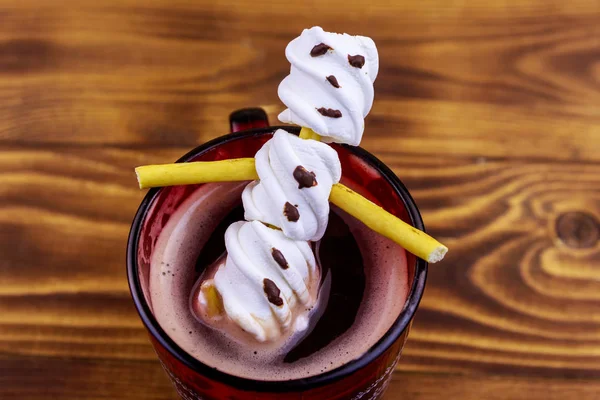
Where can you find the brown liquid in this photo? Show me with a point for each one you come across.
(364, 288)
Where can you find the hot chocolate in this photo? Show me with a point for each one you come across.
(362, 288)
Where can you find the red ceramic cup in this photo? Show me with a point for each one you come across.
(364, 378)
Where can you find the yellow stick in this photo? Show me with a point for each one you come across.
(307, 133)
(238, 169)
(413, 240)
(242, 169)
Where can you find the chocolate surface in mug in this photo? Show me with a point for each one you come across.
(364, 288)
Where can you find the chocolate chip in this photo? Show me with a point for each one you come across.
(356, 61)
(291, 212)
(279, 258)
(272, 292)
(333, 80)
(329, 112)
(304, 177)
(319, 50)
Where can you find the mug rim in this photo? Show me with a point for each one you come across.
(401, 323)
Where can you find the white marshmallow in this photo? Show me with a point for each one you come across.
(306, 88)
(264, 200)
(250, 261)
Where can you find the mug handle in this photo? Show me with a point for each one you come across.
(248, 118)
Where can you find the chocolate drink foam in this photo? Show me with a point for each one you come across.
(173, 274)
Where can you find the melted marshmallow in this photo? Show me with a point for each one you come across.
(263, 313)
(265, 200)
(307, 88)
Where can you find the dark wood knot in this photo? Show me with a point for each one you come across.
(577, 229)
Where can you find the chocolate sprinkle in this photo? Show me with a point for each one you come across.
(329, 112)
(279, 258)
(304, 177)
(291, 212)
(333, 80)
(272, 292)
(319, 50)
(356, 61)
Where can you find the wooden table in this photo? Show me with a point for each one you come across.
(487, 110)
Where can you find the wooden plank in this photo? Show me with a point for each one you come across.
(495, 80)
(83, 378)
(87, 379)
(434, 387)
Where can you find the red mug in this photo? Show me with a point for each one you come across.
(364, 378)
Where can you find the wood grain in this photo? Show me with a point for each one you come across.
(452, 82)
(486, 110)
(125, 379)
